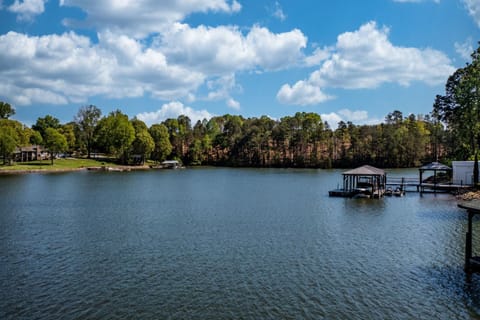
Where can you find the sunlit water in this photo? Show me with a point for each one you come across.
(227, 244)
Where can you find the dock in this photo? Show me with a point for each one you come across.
(362, 182)
(404, 183)
(371, 182)
(410, 184)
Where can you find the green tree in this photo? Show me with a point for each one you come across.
(6, 110)
(161, 139)
(22, 132)
(46, 122)
(8, 141)
(195, 152)
(460, 106)
(116, 134)
(143, 144)
(55, 142)
(36, 138)
(87, 119)
(68, 130)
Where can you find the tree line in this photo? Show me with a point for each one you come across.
(301, 140)
(450, 131)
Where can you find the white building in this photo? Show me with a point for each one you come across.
(462, 172)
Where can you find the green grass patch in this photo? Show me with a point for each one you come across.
(58, 164)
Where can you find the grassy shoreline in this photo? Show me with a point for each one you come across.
(59, 165)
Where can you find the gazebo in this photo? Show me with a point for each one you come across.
(436, 167)
(365, 180)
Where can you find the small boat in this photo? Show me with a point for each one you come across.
(168, 164)
(389, 192)
(362, 193)
(398, 192)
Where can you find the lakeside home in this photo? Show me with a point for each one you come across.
(29, 153)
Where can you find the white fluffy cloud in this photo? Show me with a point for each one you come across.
(58, 69)
(367, 59)
(358, 117)
(473, 7)
(318, 56)
(175, 62)
(27, 9)
(354, 116)
(224, 49)
(301, 93)
(173, 110)
(173, 66)
(140, 18)
(332, 118)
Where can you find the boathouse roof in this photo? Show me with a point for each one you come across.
(435, 166)
(365, 171)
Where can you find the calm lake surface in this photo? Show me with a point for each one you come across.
(215, 243)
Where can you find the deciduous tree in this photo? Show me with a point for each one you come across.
(8, 140)
(6, 110)
(163, 147)
(460, 106)
(143, 143)
(87, 119)
(46, 122)
(55, 142)
(116, 134)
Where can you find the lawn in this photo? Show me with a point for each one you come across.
(58, 164)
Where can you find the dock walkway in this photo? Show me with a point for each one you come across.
(414, 185)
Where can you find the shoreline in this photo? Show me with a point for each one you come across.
(27, 171)
(62, 170)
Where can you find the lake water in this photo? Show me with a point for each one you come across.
(213, 243)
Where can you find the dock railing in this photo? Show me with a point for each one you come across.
(404, 183)
(414, 184)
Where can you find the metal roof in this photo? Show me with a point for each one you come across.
(365, 171)
(435, 166)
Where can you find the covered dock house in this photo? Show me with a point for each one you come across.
(365, 181)
(441, 180)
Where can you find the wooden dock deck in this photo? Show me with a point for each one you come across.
(414, 185)
(404, 183)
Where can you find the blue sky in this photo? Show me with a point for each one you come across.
(345, 60)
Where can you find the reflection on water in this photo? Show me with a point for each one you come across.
(227, 243)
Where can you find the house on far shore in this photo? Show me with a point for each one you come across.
(463, 172)
(29, 153)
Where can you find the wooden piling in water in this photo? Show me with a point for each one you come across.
(472, 263)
